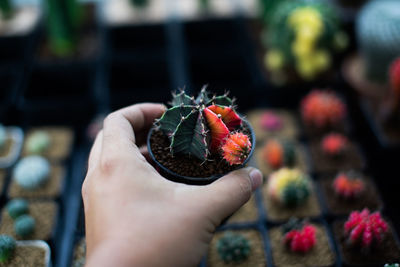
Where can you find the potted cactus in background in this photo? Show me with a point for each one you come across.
(347, 191)
(17, 24)
(323, 111)
(378, 36)
(237, 248)
(366, 238)
(335, 152)
(200, 139)
(299, 242)
(23, 253)
(287, 193)
(300, 39)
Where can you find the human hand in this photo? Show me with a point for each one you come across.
(134, 216)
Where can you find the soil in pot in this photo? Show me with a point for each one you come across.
(51, 189)
(278, 213)
(337, 205)
(387, 251)
(247, 213)
(6, 149)
(61, 141)
(266, 169)
(320, 255)
(256, 257)
(27, 256)
(273, 123)
(322, 163)
(45, 215)
(184, 165)
(79, 258)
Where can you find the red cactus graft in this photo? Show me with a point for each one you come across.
(301, 240)
(236, 148)
(219, 131)
(228, 116)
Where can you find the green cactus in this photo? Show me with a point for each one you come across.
(63, 20)
(289, 153)
(295, 194)
(38, 142)
(7, 247)
(17, 207)
(189, 122)
(378, 35)
(24, 225)
(233, 248)
(31, 172)
(6, 9)
(139, 3)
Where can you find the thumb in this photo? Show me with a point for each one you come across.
(229, 193)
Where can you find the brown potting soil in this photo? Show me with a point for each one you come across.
(256, 257)
(387, 251)
(79, 254)
(6, 149)
(289, 125)
(266, 169)
(320, 255)
(61, 141)
(51, 189)
(184, 165)
(247, 213)
(351, 159)
(277, 212)
(26, 256)
(2, 179)
(340, 206)
(45, 215)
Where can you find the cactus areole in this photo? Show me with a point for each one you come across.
(206, 128)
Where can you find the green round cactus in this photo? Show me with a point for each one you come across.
(7, 247)
(378, 35)
(3, 136)
(17, 207)
(32, 172)
(24, 225)
(294, 194)
(233, 248)
(38, 142)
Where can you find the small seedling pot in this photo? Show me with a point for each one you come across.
(170, 175)
(41, 245)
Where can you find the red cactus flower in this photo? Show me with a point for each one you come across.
(334, 144)
(322, 109)
(302, 240)
(395, 77)
(271, 121)
(236, 148)
(228, 116)
(273, 154)
(365, 228)
(219, 131)
(347, 186)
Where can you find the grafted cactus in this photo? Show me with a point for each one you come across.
(198, 126)
(378, 34)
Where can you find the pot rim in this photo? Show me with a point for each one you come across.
(202, 180)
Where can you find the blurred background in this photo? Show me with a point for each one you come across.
(65, 64)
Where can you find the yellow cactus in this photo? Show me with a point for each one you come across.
(280, 179)
(306, 17)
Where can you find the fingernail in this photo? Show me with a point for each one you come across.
(256, 179)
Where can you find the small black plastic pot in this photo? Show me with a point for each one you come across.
(172, 176)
